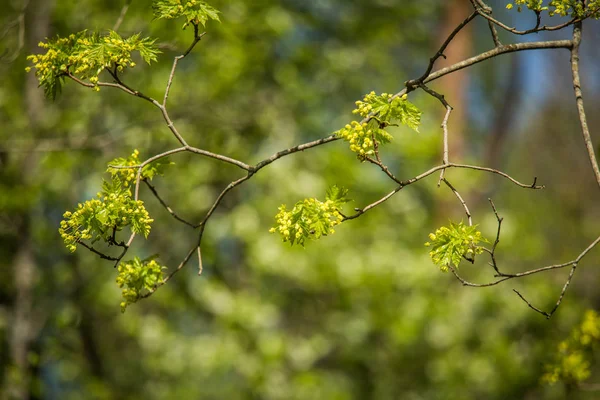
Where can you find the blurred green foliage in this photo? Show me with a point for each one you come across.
(360, 314)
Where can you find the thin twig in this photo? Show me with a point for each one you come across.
(197, 38)
(492, 252)
(219, 157)
(486, 12)
(173, 214)
(579, 101)
(494, 33)
(383, 167)
(121, 16)
(168, 277)
(534, 308)
(504, 49)
(199, 261)
(213, 208)
(295, 149)
(100, 254)
(440, 52)
(360, 211)
(446, 157)
(459, 197)
(505, 277)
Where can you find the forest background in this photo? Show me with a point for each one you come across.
(359, 314)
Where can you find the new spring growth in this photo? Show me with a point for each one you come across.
(378, 112)
(310, 218)
(450, 244)
(563, 8)
(137, 277)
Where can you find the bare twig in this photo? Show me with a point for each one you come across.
(175, 271)
(360, 211)
(486, 12)
(505, 277)
(492, 252)
(213, 208)
(173, 214)
(199, 261)
(219, 157)
(446, 158)
(295, 149)
(494, 33)
(534, 308)
(459, 197)
(504, 49)
(197, 38)
(579, 100)
(383, 167)
(440, 52)
(99, 253)
(122, 15)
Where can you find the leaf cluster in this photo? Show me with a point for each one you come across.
(114, 210)
(450, 244)
(563, 8)
(195, 12)
(572, 360)
(311, 218)
(117, 167)
(137, 277)
(380, 111)
(85, 56)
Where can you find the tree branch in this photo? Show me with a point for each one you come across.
(579, 101)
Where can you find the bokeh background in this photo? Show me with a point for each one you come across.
(362, 314)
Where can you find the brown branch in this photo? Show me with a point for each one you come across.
(504, 49)
(100, 254)
(579, 101)
(292, 150)
(486, 12)
(403, 184)
(213, 208)
(219, 157)
(197, 38)
(492, 252)
(506, 277)
(537, 28)
(162, 202)
(361, 211)
(202, 226)
(494, 33)
(199, 261)
(446, 157)
(383, 167)
(440, 52)
(168, 278)
(534, 308)
(459, 197)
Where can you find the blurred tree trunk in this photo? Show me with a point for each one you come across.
(506, 107)
(455, 87)
(23, 326)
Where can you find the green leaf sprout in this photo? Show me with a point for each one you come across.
(137, 277)
(84, 56)
(382, 111)
(311, 218)
(450, 244)
(195, 12)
